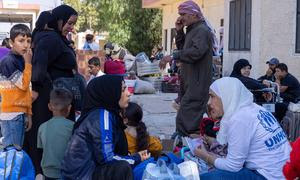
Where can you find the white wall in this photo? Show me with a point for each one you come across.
(44, 4)
(279, 33)
(230, 57)
(273, 33)
(213, 10)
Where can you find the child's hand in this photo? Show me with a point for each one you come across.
(28, 56)
(208, 140)
(144, 155)
(28, 123)
(34, 95)
(201, 152)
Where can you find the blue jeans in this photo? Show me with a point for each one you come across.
(13, 131)
(244, 174)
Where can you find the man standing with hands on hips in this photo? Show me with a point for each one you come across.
(195, 53)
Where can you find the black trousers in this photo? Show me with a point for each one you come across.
(280, 110)
(117, 170)
(47, 178)
(40, 114)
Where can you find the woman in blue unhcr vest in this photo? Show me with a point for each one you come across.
(257, 146)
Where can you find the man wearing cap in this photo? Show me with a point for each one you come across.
(195, 53)
(271, 70)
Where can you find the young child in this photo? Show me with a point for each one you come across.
(15, 76)
(136, 132)
(208, 130)
(53, 135)
(94, 68)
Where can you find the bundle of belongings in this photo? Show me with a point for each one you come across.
(119, 60)
(170, 84)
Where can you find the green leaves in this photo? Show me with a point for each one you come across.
(127, 22)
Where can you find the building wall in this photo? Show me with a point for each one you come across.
(279, 33)
(213, 10)
(230, 57)
(273, 33)
(44, 4)
(24, 7)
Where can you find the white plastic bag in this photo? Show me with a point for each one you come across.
(143, 87)
(129, 62)
(160, 171)
(294, 107)
(189, 170)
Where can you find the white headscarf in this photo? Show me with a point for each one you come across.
(234, 96)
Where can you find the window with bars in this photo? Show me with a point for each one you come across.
(166, 39)
(240, 25)
(298, 27)
(173, 41)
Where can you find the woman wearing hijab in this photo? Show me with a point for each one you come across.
(98, 148)
(241, 70)
(52, 59)
(257, 146)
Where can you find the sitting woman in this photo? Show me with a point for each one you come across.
(98, 147)
(241, 70)
(257, 146)
(136, 132)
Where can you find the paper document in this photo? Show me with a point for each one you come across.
(193, 143)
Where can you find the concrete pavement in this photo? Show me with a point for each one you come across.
(159, 116)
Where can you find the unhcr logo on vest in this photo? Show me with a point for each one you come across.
(268, 121)
(270, 124)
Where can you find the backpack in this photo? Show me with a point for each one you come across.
(76, 85)
(15, 164)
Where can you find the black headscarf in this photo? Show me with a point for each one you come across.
(41, 22)
(240, 64)
(251, 84)
(62, 12)
(102, 92)
(43, 19)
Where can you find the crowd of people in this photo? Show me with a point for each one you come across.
(109, 139)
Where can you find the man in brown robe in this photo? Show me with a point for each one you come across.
(195, 53)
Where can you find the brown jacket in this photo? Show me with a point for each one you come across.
(195, 53)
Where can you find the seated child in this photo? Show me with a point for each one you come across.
(53, 135)
(136, 132)
(208, 130)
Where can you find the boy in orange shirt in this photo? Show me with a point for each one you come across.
(15, 76)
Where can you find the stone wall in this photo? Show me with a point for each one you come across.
(82, 60)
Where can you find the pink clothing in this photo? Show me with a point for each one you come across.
(190, 7)
(114, 67)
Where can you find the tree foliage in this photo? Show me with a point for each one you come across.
(127, 22)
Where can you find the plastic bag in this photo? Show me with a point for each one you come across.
(189, 170)
(142, 58)
(143, 87)
(160, 170)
